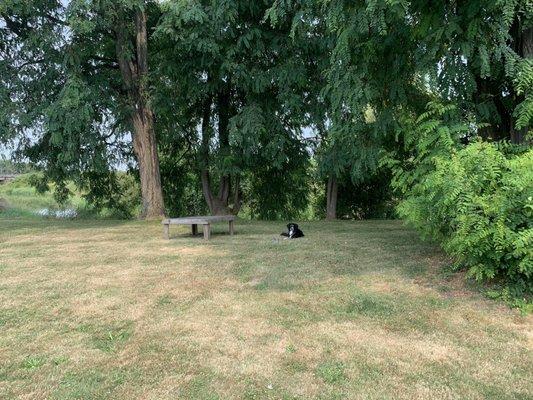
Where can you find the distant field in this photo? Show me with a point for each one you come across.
(23, 200)
(355, 310)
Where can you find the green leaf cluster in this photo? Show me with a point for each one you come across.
(476, 200)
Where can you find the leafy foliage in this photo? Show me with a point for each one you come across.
(9, 167)
(292, 190)
(369, 198)
(65, 103)
(256, 94)
(246, 85)
(477, 200)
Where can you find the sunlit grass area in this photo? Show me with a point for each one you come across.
(355, 310)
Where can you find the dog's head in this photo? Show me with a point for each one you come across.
(292, 227)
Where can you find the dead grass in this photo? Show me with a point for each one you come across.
(98, 310)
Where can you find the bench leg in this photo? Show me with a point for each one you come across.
(231, 228)
(194, 229)
(166, 229)
(207, 231)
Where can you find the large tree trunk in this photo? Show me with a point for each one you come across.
(489, 91)
(523, 43)
(218, 204)
(223, 108)
(204, 154)
(331, 202)
(145, 147)
(527, 43)
(134, 73)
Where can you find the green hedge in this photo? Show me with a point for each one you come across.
(479, 204)
(476, 200)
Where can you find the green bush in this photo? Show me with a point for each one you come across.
(476, 200)
(479, 204)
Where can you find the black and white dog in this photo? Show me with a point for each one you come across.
(293, 232)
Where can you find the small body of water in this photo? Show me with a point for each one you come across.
(59, 214)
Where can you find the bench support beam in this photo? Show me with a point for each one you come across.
(207, 231)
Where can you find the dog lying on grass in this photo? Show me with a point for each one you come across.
(293, 232)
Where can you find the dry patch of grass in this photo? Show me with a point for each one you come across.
(98, 310)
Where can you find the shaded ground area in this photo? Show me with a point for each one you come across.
(355, 310)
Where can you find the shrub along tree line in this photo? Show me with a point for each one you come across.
(268, 107)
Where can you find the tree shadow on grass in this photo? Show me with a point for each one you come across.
(331, 250)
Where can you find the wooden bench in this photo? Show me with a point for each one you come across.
(195, 221)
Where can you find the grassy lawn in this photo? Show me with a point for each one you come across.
(355, 310)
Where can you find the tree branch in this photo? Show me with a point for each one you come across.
(53, 19)
(25, 64)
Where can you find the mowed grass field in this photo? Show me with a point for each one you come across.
(355, 310)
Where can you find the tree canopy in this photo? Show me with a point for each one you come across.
(257, 107)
